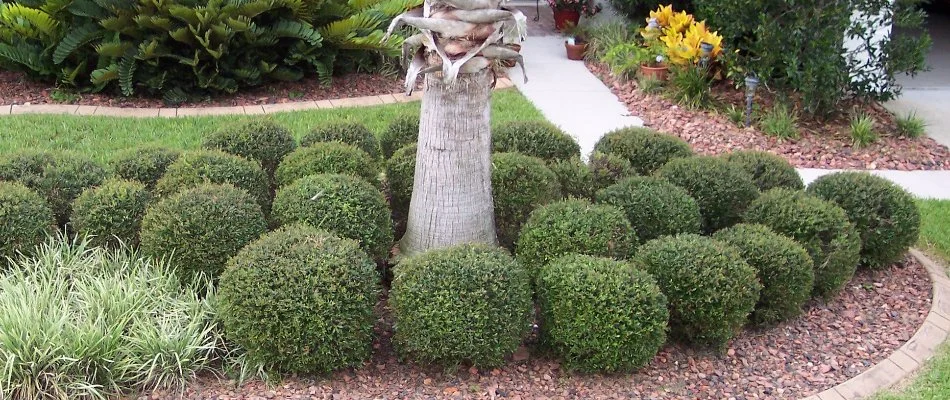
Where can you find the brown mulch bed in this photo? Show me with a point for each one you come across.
(825, 144)
(832, 342)
(16, 88)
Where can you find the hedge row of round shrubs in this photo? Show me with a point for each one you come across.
(26, 218)
(346, 132)
(57, 176)
(263, 141)
(111, 214)
(214, 166)
(520, 184)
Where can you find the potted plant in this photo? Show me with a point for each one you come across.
(653, 62)
(568, 12)
(575, 44)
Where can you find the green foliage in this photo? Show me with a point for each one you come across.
(651, 85)
(862, 130)
(402, 131)
(83, 322)
(818, 225)
(111, 214)
(574, 226)
(605, 36)
(605, 170)
(144, 164)
(736, 115)
(624, 59)
(347, 206)
(199, 229)
(264, 141)
(780, 122)
(349, 132)
(654, 206)
(327, 158)
(300, 300)
(539, 139)
(689, 87)
(911, 126)
(214, 166)
(601, 315)
(784, 268)
(57, 176)
(710, 289)
(400, 172)
(574, 177)
(885, 215)
(468, 303)
(635, 9)
(25, 219)
(768, 170)
(646, 150)
(722, 189)
(520, 183)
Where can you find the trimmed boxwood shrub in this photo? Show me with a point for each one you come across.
(57, 176)
(574, 178)
(885, 215)
(653, 206)
(400, 172)
(722, 189)
(710, 289)
(349, 132)
(215, 166)
(200, 228)
(327, 158)
(300, 300)
(402, 131)
(342, 204)
(264, 141)
(144, 164)
(606, 170)
(645, 149)
(539, 139)
(768, 170)
(468, 303)
(601, 315)
(111, 214)
(25, 219)
(784, 268)
(574, 226)
(520, 184)
(820, 226)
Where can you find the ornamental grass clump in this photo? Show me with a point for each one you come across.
(601, 315)
(86, 322)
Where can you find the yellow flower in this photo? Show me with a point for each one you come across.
(699, 33)
(677, 50)
(663, 15)
(681, 21)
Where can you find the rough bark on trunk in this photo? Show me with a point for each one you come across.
(452, 199)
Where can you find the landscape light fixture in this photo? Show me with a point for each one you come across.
(751, 83)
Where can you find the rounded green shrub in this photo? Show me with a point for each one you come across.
(57, 176)
(198, 229)
(646, 150)
(402, 131)
(607, 169)
(818, 225)
(784, 268)
(300, 300)
(348, 132)
(768, 170)
(468, 303)
(144, 164)
(601, 315)
(347, 206)
(327, 158)
(539, 139)
(711, 290)
(264, 141)
(111, 214)
(25, 219)
(400, 172)
(884, 214)
(574, 226)
(722, 189)
(520, 184)
(653, 206)
(574, 178)
(216, 167)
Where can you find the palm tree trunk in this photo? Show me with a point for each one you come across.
(452, 198)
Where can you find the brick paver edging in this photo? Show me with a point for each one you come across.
(912, 355)
(365, 101)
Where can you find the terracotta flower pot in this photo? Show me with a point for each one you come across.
(575, 51)
(512, 63)
(565, 18)
(659, 73)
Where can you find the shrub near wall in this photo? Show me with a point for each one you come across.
(57, 176)
(520, 184)
(25, 219)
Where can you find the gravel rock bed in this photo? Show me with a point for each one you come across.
(829, 344)
(825, 145)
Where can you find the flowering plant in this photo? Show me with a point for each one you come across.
(680, 35)
(586, 8)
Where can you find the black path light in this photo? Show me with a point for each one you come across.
(751, 83)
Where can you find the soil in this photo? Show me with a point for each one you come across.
(17, 88)
(830, 343)
(822, 144)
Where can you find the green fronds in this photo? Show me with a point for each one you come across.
(346, 29)
(126, 74)
(74, 39)
(28, 22)
(25, 55)
(294, 29)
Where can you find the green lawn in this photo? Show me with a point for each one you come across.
(102, 137)
(933, 382)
